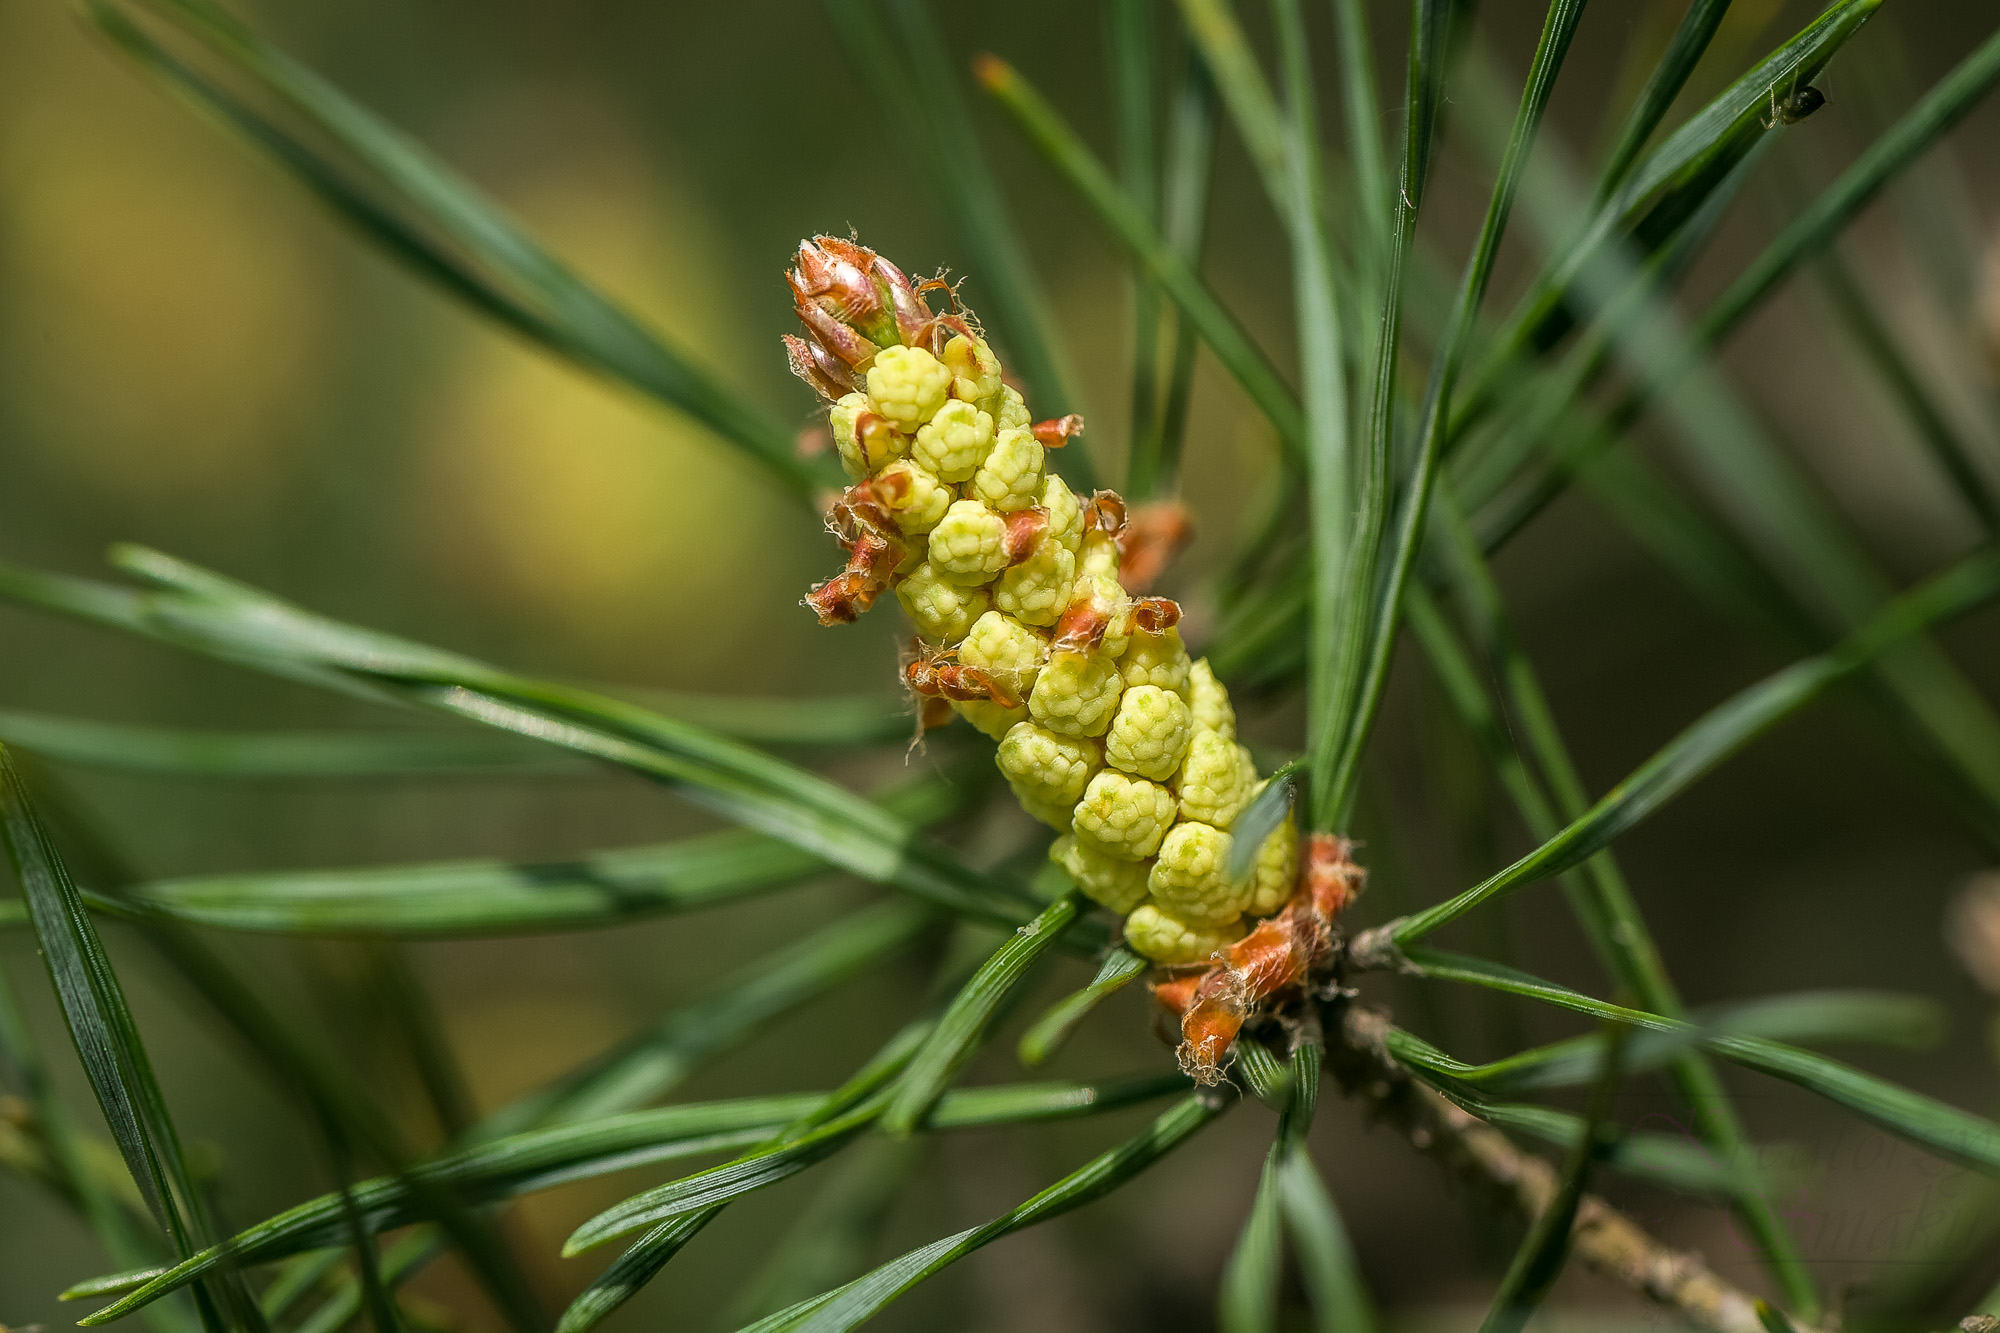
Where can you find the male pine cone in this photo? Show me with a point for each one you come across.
(1107, 730)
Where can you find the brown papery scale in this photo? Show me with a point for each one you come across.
(939, 674)
(1278, 962)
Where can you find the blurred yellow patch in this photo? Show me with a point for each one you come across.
(162, 322)
(509, 1045)
(512, 1043)
(581, 508)
(591, 512)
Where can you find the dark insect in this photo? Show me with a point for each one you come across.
(1795, 107)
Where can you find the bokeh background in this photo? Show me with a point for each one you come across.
(194, 357)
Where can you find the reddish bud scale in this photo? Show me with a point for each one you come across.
(834, 337)
(853, 303)
(854, 288)
(1105, 512)
(1082, 626)
(939, 677)
(1274, 962)
(1024, 532)
(870, 507)
(852, 516)
(1055, 432)
(1152, 536)
(811, 363)
(871, 568)
(934, 712)
(1327, 873)
(1156, 615)
(875, 558)
(841, 599)
(834, 274)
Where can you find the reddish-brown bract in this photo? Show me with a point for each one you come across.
(1105, 512)
(1152, 536)
(939, 674)
(860, 520)
(868, 506)
(1083, 625)
(1087, 619)
(854, 303)
(1055, 432)
(841, 599)
(1155, 615)
(1274, 963)
(817, 367)
(1327, 873)
(1024, 532)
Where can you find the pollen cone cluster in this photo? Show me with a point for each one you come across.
(1108, 731)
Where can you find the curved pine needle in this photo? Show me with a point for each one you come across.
(1060, 147)
(832, 1237)
(696, 1194)
(1290, 1195)
(1814, 227)
(1360, 668)
(205, 613)
(1247, 1298)
(1047, 1034)
(966, 1020)
(1670, 184)
(638, 1265)
(1335, 1290)
(672, 1228)
(492, 897)
(1597, 892)
(905, 64)
(1944, 1131)
(403, 197)
(1539, 1260)
(1810, 232)
(93, 1007)
(257, 755)
(68, 1164)
(540, 1159)
(1343, 590)
(1669, 76)
(1814, 1017)
(1719, 734)
(846, 1307)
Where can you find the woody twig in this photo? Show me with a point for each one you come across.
(1480, 1156)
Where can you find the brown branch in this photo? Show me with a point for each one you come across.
(1476, 1153)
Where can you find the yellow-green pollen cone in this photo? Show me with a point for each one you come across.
(1108, 731)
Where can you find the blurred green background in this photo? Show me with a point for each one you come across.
(194, 357)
